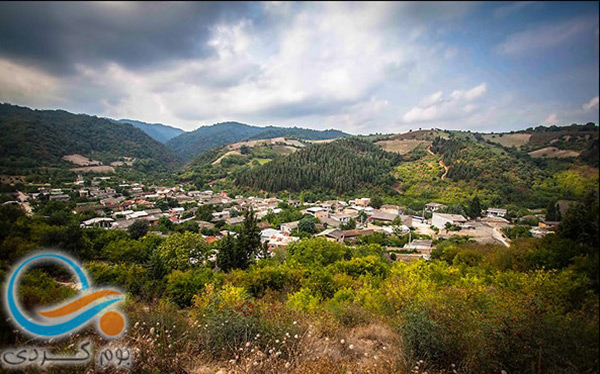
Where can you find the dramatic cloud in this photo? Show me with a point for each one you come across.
(360, 67)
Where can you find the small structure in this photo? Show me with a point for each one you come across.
(496, 212)
(99, 222)
(434, 207)
(419, 245)
(440, 220)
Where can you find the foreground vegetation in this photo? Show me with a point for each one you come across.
(324, 307)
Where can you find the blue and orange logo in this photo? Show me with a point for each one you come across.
(71, 315)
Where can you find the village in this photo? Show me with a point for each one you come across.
(117, 205)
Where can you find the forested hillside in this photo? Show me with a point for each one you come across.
(190, 144)
(157, 131)
(452, 167)
(37, 138)
(342, 166)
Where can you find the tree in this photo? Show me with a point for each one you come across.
(138, 229)
(183, 250)
(474, 209)
(240, 252)
(204, 212)
(376, 202)
(307, 224)
(362, 216)
(227, 255)
(552, 213)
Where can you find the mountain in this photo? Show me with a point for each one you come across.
(32, 139)
(343, 166)
(157, 131)
(190, 144)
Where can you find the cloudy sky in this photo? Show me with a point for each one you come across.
(359, 67)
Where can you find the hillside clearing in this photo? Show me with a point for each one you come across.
(553, 152)
(508, 140)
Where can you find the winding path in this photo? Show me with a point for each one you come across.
(446, 168)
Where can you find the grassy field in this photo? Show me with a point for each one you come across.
(509, 140)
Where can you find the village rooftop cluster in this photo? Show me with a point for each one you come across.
(119, 204)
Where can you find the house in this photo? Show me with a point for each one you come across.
(496, 212)
(439, 220)
(267, 233)
(263, 225)
(60, 197)
(434, 207)
(289, 226)
(393, 209)
(382, 216)
(100, 222)
(344, 235)
(136, 215)
(234, 220)
(342, 217)
(363, 201)
(217, 216)
(205, 225)
(419, 245)
(177, 211)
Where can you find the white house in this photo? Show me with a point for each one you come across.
(99, 222)
(496, 212)
(439, 220)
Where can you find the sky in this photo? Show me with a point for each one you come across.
(359, 67)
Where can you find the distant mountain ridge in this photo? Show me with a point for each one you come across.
(40, 138)
(190, 144)
(158, 131)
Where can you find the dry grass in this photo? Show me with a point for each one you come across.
(402, 146)
(553, 152)
(95, 169)
(80, 160)
(509, 140)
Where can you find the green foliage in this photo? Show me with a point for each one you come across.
(307, 224)
(342, 166)
(138, 229)
(318, 252)
(517, 231)
(182, 286)
(181, 251)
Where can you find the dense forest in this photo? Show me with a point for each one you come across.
(190, 144)
(157, 131)
(341, 166)
(37, 138)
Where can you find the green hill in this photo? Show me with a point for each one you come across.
(157, 131)
(41, 138)
(343, 167)
(190, 144)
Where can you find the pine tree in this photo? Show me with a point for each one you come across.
(552, 213)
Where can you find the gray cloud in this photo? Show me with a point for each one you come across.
(58, 35)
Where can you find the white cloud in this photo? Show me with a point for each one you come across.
(552, 119)
(436, 107)
(593, 103)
